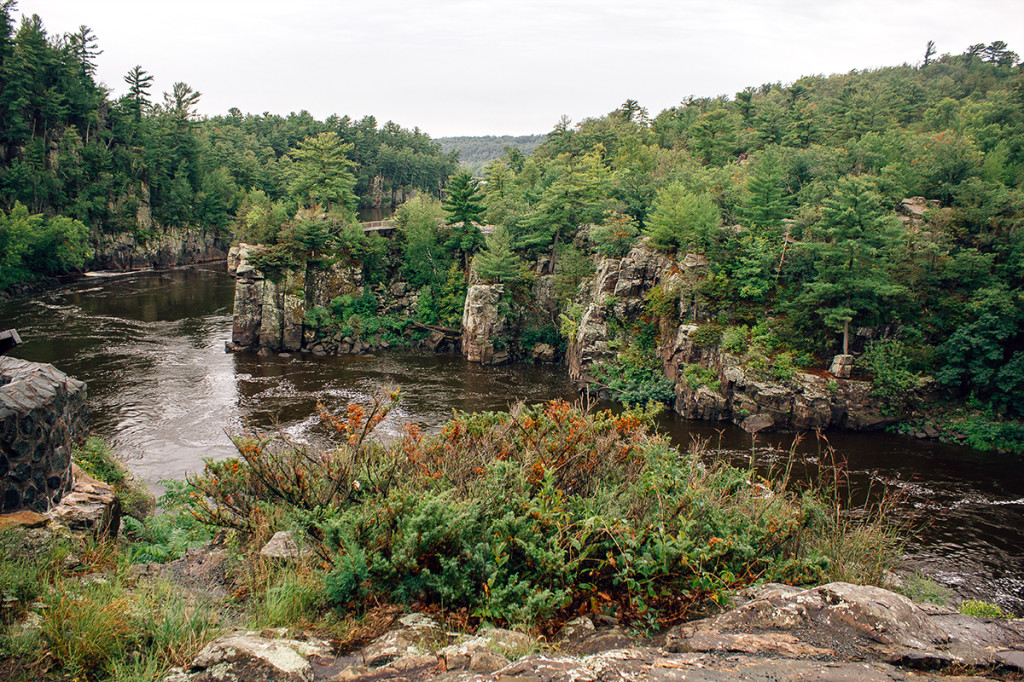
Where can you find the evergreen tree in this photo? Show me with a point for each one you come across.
(497, 262)
(464, 205)
(853, 245)
(321, 173)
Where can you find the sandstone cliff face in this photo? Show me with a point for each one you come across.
(484, 327)
(269, 314)
(620, 289)
(171, 247)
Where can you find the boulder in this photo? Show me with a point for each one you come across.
(283, 546)
(92, 506)
(842, 366)
(250, 657)
(417, 635)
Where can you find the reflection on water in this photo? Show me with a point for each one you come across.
(165, 394)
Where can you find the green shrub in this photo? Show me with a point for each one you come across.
(97, 459)
(707, 335)
(981, 609)
(892, 382)
(921, 588)
(734, 339)
(546, 509)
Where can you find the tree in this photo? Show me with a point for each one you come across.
(683, 220)
(424, 259)
(929, 52)
(181, 101)
(985, 355)
(765, 202)
(321, 173)
(464, 205)
(853, 246)
(139, 82)
(496, 262)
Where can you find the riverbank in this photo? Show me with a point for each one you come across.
(256, 589)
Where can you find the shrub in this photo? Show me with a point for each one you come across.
(892, 381)
(615, 236)
(707, 335)
(734, 339)
(981, 609)
(536, 514)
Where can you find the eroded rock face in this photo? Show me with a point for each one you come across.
(621, 288)
(269, 312)
(484, 328)
(92, 506)
(168, 248)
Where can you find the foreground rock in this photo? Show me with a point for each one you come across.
(254, 657)
(833, 632)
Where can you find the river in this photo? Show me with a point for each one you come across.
(165, 394)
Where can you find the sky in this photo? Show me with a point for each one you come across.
(494, 67)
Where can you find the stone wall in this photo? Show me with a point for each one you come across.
(43, 413)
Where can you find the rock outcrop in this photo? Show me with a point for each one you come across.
(269, 311)
(622, 289)
(837, 631)
(484, 327)
(167, 248)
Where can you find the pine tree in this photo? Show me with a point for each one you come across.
(497, 262)
(464, 206)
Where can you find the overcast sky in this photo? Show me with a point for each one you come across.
(477, 67)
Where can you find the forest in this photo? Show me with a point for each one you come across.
(476, 152)
(790, 191)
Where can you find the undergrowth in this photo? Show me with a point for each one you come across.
(531, 517)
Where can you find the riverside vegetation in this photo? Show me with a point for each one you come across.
(527, 519)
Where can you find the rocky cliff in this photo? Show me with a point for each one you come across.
(484, 328)
(269, 311)
(162, 249)
(623, 289)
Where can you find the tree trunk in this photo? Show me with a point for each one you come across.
(846, 337)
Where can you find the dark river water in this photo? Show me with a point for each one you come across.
(163, 391)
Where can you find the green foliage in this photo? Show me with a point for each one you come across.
(981, 609)
(734, 339)
(452, 298)
(33, 245)
(321, 172)
(892, 382)
(635, 376)
(920, 588)
(497, 262)
(464, 205)
(683, 220)
(258, 220)
(982, 355)
(97, 459)
(424, 258)
(573, 266)
(614, 236)
(697, 376)
(516, 516)
(707, 335)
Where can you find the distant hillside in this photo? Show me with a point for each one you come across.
(477, 152)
